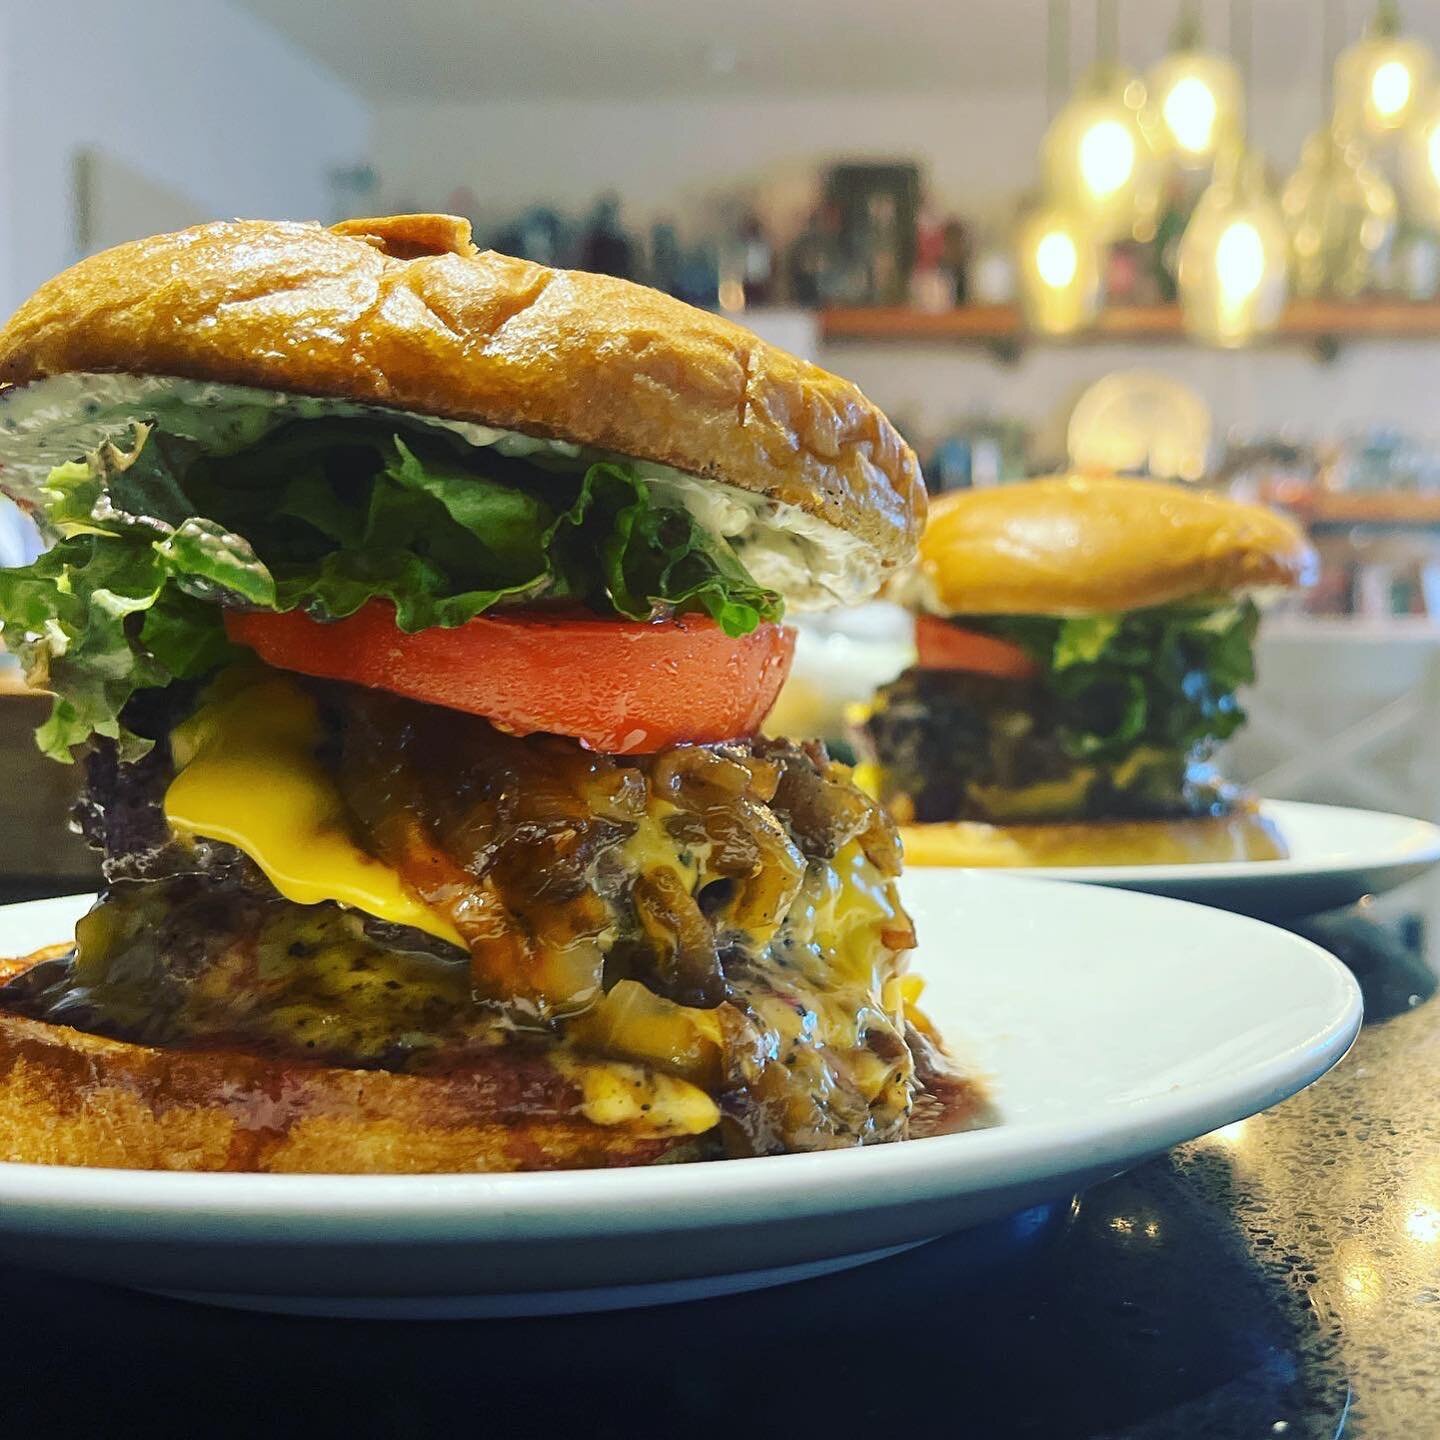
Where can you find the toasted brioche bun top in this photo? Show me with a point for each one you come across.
(1072, 545)
(403, 311)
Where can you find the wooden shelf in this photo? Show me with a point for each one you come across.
(1374, 507)
(1324, 323)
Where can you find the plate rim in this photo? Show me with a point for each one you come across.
(1425, 855)
(648, 1200)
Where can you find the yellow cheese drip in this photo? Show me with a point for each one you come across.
(639, 1098)
(248, 776)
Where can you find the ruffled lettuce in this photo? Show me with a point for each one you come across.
(326, 516)
(1164, 677)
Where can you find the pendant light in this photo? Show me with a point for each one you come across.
(1194, 103)
(1059, 269)
(1339, 210)
(1233, 255)
(1340, 214)
(1095, 159)
(1056, 249)
(1381, 80)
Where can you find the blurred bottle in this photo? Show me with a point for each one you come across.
(606, 248)
(949, 465)
(665, 257)
(1124, 272)
(879, 250)
(1176, 205)
(955, 257)
(814, 257)
(992, 273)
(698, 280)
(932, 286)
(978, 452)
(757, 263)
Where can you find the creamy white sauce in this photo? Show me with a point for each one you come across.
(813, 565)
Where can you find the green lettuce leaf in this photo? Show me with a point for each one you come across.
(326, 516)
(1082, 641)
(96, 618)
(1163, 677)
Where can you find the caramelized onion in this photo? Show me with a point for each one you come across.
(571, 874)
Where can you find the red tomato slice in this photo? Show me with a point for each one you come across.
(616, 685)
(943, 646)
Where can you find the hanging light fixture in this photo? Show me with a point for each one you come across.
(1095, 158)
(1056, 250)
(1059, 270)
(1382, 80)
(1340, 214)
(1339, 210)
(1233, 255)
(1194, 104)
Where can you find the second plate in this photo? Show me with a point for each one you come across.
(1336, 856)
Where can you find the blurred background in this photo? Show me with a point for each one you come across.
(1198, 241)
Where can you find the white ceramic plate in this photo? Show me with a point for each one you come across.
(1336, 856)
(1114, 1026)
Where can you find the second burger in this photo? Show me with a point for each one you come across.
(1080, 645)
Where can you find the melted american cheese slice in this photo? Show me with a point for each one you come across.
(248, 776)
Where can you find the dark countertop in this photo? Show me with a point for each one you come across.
(1280, 1278)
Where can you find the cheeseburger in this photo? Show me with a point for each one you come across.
(413, 612)
(1080, 644)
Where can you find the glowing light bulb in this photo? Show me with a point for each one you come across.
(1107, 157)
(1196, 106)
(1390, 89)
(1190, 110)
(1058, 263)
(1096, 161)
(1233, 256)
(1240, 260)
(1057, 259)
(1380, 82)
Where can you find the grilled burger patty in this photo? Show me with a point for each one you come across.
(724, 916)
(957, 745)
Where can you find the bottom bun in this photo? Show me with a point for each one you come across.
(1244, 834)
(71, 1098)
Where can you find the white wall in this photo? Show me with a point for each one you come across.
(978, 147)
(979, 150)
(662, 153)
(201, 97)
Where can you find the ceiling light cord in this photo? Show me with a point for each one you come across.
(1387, 18)
(1242, 36)
(1189, 31)
(1330, 49)
(1057, 57)
(1107, 32)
